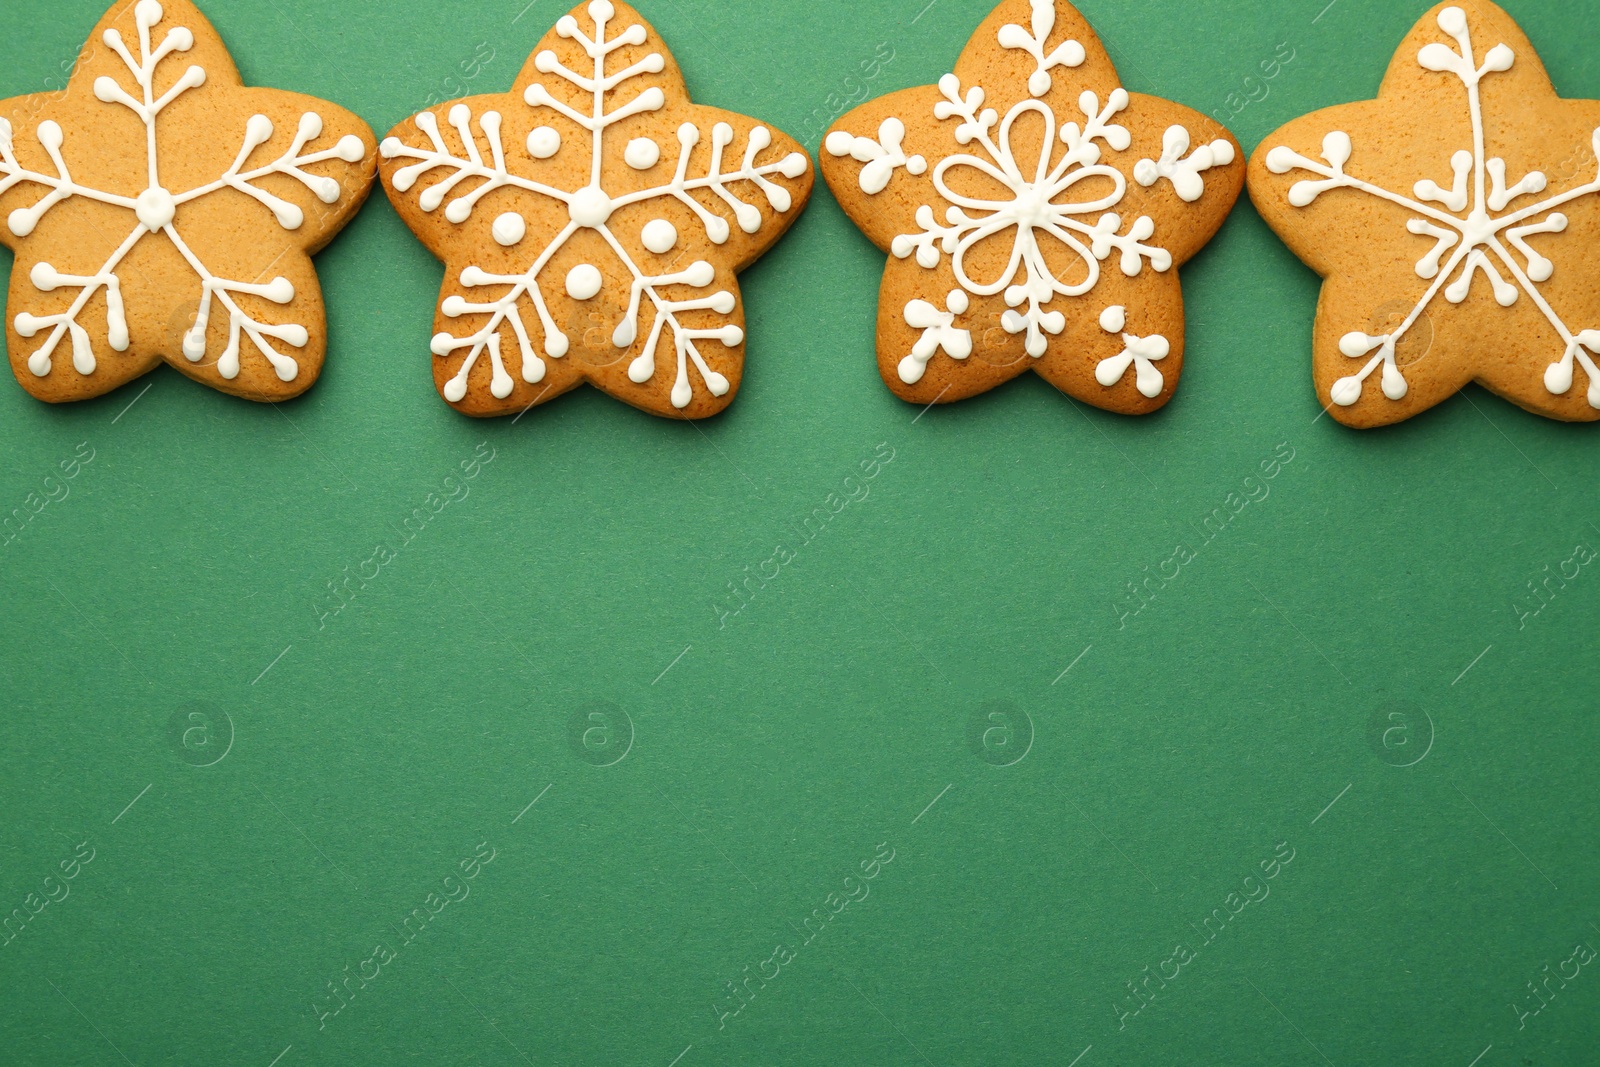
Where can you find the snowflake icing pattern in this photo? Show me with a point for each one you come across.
(591, 207)
(1091, 228)
(154, 210)
(1468, 225)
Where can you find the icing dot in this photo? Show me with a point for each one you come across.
(583, 282)
(590, 206)
(660, 236)
(155, 208)
(509, 228)
(543, 143)
(1113, 319)
(642, 153)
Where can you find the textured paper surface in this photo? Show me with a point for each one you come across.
(921, 626)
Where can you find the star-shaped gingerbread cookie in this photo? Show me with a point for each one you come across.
(161, 211)
(1451, 220)
(591, 222)
(1035, 213)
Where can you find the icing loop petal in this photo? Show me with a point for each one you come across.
(1027, 207)
(1036, 204)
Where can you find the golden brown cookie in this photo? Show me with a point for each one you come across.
(1450, 219)
(591, 222)
(160, 210)
(1036, 214)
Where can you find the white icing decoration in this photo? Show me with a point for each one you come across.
(543, 142)
(659, 236)
(641, 153)
(1068, 53)
(1138, 352)
(584, 282)
(1040, 206)
(1183, 173)
(1036, 205)
(881, 156)
(938, 331)
(509, 229)
(1466, 242)
(591, 207)
(155, 209)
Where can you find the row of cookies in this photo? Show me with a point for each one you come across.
(593, 220)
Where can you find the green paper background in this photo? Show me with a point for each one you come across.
(1075, 839)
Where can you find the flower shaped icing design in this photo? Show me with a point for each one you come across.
(591, 222)
(1030, 196)
(161, 211)
(1430, 284)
